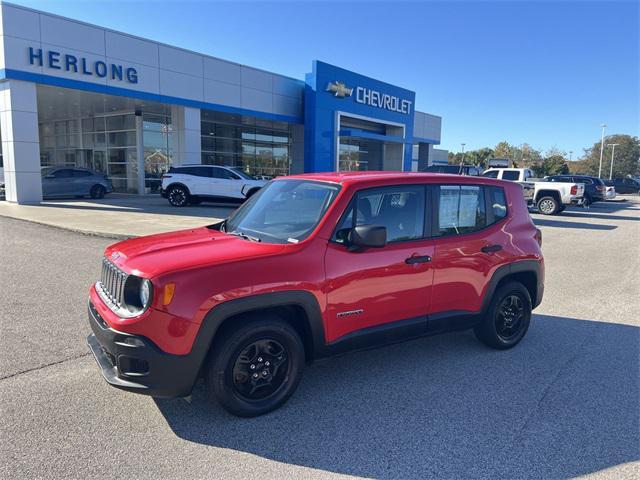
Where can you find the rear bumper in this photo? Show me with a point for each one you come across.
(134, 363)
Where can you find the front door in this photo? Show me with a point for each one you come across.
(375, 286)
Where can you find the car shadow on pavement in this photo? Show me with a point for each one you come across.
(601, 216)
(562, 403)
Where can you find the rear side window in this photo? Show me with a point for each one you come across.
(585, 180)
(461, 209)
(81, 173)
(510, 175)
(491, 174)
(195, 171)
(498, 203)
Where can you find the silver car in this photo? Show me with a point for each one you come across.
(74, 182)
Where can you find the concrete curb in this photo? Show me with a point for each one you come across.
(114, 236)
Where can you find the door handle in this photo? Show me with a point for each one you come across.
(417, 259)
(491, 248)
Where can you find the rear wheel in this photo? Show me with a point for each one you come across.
(256, 367)
(507, 318)
(548, 206)
(97, 191)
(178, 196)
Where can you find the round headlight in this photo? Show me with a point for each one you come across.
(145, 293)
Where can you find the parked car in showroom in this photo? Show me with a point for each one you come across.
(549, 197)
(625, 186)
(74, 182)
(594, 187)
(311, 266)
(191, 184)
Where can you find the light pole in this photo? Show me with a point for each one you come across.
(570, 155)
(462, 160)
(601, 150)
(613, 152)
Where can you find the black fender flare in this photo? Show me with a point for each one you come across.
(522, 266)
(223, 311)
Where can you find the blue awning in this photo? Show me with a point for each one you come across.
(356, 132)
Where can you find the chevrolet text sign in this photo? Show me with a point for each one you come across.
(374, 98)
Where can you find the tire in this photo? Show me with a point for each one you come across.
(587, 201)
(508, 317)
(178, 196)
(257, 345)
(548, 206)
(97, 191)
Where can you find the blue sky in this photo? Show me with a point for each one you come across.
(545, 73)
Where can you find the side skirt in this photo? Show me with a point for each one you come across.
(402, 330)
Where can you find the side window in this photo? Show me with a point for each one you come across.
(586, 181)
(81, 173)
(63, 173)
(510, 175)
(461, 209)
(401, 210)
(491, 174)
(498, 203)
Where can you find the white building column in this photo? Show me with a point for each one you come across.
(187, 146)
(20, 141)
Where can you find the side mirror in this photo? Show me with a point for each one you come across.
(374, 236)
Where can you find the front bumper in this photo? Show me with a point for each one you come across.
(134, 363)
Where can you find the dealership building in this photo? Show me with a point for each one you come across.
(79, 95)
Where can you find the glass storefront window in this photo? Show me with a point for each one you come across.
(157, 134)
(258, 146)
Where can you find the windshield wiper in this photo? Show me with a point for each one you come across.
(244, 236)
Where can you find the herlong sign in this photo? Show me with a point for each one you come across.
(81, 65)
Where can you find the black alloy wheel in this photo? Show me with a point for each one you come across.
(507, 318)
(260, 369)
(178, 196)
(97, 191)
(255, 365)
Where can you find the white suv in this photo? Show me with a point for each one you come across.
(190, 184)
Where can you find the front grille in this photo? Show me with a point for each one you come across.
(112, 283)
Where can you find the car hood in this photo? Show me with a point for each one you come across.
(155, 255)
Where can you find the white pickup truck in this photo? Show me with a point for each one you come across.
(551, 198)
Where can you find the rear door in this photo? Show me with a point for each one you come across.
(375, 286)
(469, 245)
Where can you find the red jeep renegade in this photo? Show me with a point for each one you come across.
(310, 266)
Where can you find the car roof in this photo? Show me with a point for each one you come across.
(377, 177)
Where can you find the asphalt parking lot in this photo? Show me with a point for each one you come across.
(564, 403)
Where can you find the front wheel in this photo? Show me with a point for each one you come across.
(256, 367)
(548, 206)
(507, 318)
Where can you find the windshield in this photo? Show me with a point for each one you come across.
(284, 211)
(242, 173)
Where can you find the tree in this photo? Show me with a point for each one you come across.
(626, 161)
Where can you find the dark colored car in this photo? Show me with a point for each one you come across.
(624, 185)
(471, 170)
(594, 187)
(310, 266)
(74, 182)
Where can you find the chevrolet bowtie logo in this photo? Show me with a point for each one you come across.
(339, 89)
